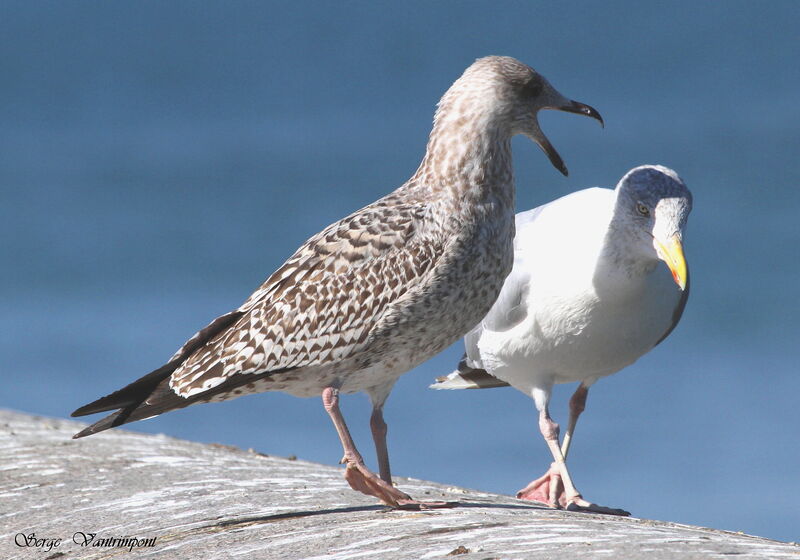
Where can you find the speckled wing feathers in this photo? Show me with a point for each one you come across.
(320, 306)
(387, 287)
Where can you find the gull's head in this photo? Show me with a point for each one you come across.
(509, 94)
(655, 203)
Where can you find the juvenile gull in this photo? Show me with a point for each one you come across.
(586, 297)
(380, 291)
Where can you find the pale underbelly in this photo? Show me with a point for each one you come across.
(538, 354)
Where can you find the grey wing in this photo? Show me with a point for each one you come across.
(523, 220)
(508, 310)
(319, 307)
(678, 313)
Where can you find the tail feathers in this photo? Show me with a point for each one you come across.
(134, 401)
(467, 377)
(129, 395)
(163, 399)
(150, 395)
(112, 420)
(139, 390)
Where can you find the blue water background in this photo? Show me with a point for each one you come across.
(159, 159)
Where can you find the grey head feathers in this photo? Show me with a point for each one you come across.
(653, 206)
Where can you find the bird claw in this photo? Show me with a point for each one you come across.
(361, 479)
(414, 505)
(583, 506)
(549, 489)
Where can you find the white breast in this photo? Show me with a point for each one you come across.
(583, 320)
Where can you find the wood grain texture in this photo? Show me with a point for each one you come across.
(207, 501)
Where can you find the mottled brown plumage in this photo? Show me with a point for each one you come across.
(382, 290)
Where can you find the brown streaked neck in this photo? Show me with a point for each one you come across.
(468, 152)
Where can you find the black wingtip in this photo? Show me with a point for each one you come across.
(113, 420)
(88, 431)
(100, 405)
(84, 410)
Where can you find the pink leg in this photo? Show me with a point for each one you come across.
(379, 429)
(555, 487)
(577, 404)
(358, 476)
(548, 488)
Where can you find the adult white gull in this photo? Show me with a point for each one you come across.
(587, 296)
(380, 291)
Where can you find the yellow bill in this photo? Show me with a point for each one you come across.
(671, 253)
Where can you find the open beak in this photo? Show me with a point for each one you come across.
(671, 253)
(552, 155)
(569, 107)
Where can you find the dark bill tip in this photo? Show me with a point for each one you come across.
(553, 155)
(583, 109)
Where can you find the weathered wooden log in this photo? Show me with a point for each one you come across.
(122, 494)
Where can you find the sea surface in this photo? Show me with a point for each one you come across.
(158, 160)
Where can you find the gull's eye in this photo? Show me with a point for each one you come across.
(642, 209)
